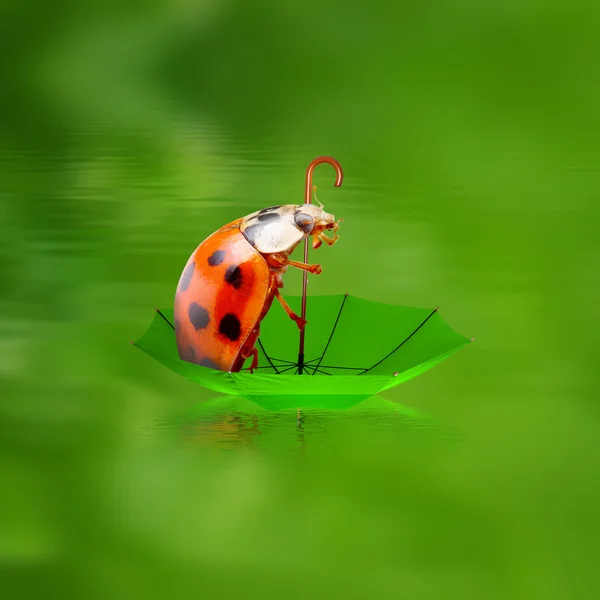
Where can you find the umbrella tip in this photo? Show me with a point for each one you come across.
(346, 294)
(472, 339)
(396, 374)
(131, 342)
(436, 309)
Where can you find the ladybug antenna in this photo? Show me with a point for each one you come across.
(316, 199)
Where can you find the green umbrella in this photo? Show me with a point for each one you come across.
(351, 349)
(354, 349)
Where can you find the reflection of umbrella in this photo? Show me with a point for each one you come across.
(225, 421)
(354, 349)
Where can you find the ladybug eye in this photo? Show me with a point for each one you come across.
(305, 222)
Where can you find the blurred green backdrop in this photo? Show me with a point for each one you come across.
(469, 136)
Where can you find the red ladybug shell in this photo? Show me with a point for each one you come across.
(223, 293)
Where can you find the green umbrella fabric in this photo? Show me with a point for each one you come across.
(354, 349)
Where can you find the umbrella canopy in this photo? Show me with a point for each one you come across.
(353, 349)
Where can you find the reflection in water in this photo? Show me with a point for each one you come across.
(233, 423)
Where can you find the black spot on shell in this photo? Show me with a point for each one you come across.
(252, 232)
(266, 210)
(230, 327)
(216, 258)
(206, 362)
(198, 315)
(304, 221)
(270, 216)
(186, 276)
(233, 276)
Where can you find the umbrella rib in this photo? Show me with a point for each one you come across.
(321, 371)
(332, 332)
(346, 368)
(285, 362)
(267, 356)
(402, 343)
(315, 369)
(165, 318)
(311, 367)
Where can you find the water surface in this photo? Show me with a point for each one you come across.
(468, 134)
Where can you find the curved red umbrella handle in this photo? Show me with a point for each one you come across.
(307, 198)
(309, 171)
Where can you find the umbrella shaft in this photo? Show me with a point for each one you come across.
(303, 312)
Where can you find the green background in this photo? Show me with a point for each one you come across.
(468, 132)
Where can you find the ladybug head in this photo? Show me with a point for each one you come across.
(314, 221)
(282, 228)
(310, 217)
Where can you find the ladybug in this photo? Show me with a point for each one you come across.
(228, 284)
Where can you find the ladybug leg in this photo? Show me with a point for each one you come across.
(321, 236)
(249, 350)
(279, 261)
(254, 354)
(291, 314)
(329, 241)
(316, 269)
